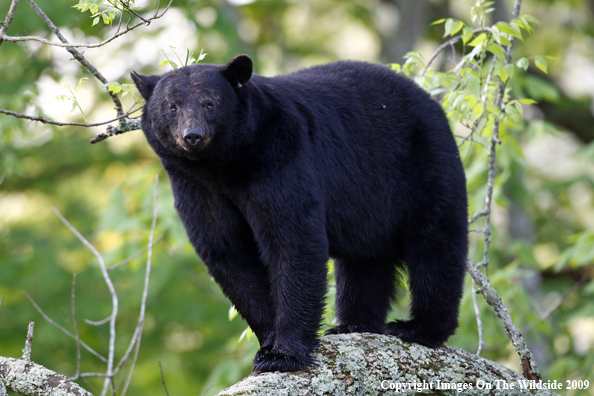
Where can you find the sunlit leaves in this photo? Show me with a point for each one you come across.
(523, 63)
(541, 63)
(105, 10)
(71, 96)
(479, 11)
(190, 60)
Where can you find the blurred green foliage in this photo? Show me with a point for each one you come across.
(542, 252)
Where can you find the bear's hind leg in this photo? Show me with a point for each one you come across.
(364, 290)
(436, 268)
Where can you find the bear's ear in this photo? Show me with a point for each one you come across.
(238, 71)
(145, 84)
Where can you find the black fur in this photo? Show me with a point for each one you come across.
(347, 160)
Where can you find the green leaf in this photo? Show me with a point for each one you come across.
(511, 29)
(95, 21)
(509, 69)
(478, 40)
(115, 88)
(106, 19)
(531, 19)
(477, 111)
(497, 50)
(523, 63)
(528, 101)
(541, 63)
(502, 74)
(442, 20)
(472, 101)
(168, 62)
(81, 83)
(504, 41)
(466, 34)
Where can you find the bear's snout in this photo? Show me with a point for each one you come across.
(193, 136)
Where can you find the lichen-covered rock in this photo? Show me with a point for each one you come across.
(373, 364)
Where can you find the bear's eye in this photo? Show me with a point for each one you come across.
(209, 107)
(172, 108)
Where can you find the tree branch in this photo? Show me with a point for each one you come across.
(114, 300)
(448, 43)
(66, 44)
(492, 297)
(374, 364)
(59, 123)
(32, 379)
(8, 20)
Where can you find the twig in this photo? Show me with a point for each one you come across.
(114, 300)
(129, 377)
(75, 321)
(78, 56)
(131, 125)
(98, 322)
(494, 300)
(67, 45)
(556, 306)
(475, 216)
(8, 20)
(132, 257)
(28, 343)
(479, 322)
(1, 301)
(446, 44)
(138, 331)
(58, 123)
(62, 329)
(163, 378)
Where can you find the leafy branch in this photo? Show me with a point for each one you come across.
(125, 124)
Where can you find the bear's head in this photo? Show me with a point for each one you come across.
(191, 109)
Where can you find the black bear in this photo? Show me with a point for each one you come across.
(272, 176)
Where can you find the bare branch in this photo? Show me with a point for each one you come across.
(8, 20)
(58, 123)
(97, 322)
(138, 331)
(62, 329)
(476, 216)
(479, 322)
(448, 43)
(29, 378)
(75, 321)
(163, 378)
(67, 45)
(129, 125)
(114, 300)
(28, 343)
(132, 257)
(492, 297)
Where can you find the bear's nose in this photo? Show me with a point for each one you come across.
(193, 136)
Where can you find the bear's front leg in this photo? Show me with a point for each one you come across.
(289, 229)
(225, 243)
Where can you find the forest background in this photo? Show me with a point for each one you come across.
(542, 251)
